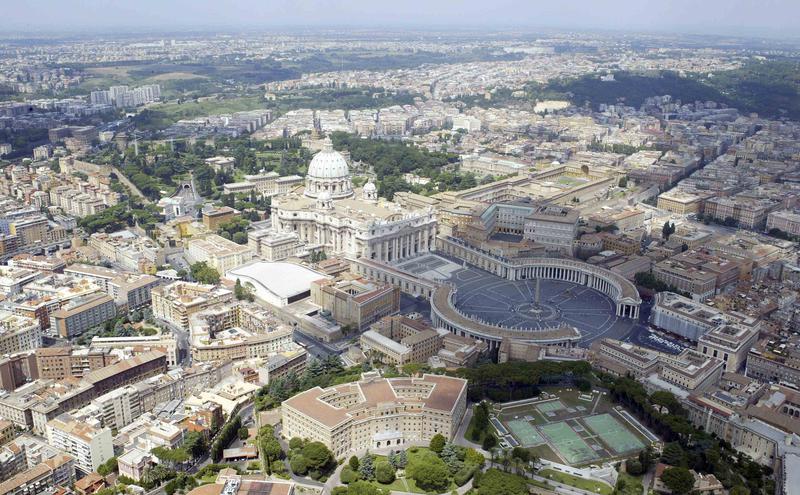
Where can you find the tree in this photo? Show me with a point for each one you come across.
(429, 471)
(195, 444)
(520, 453)
(480, 420)
(108, 467)
(437, 443)
(401, 459)
(489, 442)
(623, 182)
(243, 292)
(739, 490)
(317, 455)
(348, 475)
(367, 467)
(298, 464)
(678, 479)
(354, 463)
(204, 274)
(244, 433)
(634, 467)
(673, 454)
(449, 455)
(472, 456)
(384, 473)
(667, 230)
(171, 457)
(269, 447)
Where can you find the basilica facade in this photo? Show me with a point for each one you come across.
(329, 212)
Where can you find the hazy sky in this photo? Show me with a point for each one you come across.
(698, 16)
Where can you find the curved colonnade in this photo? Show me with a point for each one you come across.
(445, 314)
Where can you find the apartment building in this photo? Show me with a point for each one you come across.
(17, 369)
(12, 279)
(164, 342)
(237, 331)
(786, 221)
(18, 333)
(377, 412)
(757, 420)
(58, 363)
(90, 445)
(43, 264)
(7, 431)
(177, 302)
(30, 231)
(748, 212)
(699, 283)
(775, 362)
(129, 290)
(356, 302)
(218, 252)
(127, 372)
(81, 314)
(681, 203)
(53, 472)
(729, 342)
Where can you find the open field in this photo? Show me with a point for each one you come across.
(570, 427)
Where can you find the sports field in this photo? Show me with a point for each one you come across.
(564, 425)
(613, 434)
(568, 443)
(525, 432)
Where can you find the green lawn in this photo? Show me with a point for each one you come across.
(584, 484)
(401, 485)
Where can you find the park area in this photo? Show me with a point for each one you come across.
(570, 427)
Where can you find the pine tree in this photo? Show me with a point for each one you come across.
(367, 467)
(401, 459)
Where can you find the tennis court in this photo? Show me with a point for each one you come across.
(550, 406)
(525, 432)
(569, 444)
(616, 436)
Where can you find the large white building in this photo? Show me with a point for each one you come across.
(91, 446)
(377, 412)
(348, 222)
(218, 252)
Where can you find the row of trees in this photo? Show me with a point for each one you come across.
(225, 437)
(520, 380)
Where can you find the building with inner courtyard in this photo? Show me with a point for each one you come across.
(377, 412)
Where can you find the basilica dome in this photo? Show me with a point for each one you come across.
(328, 172)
